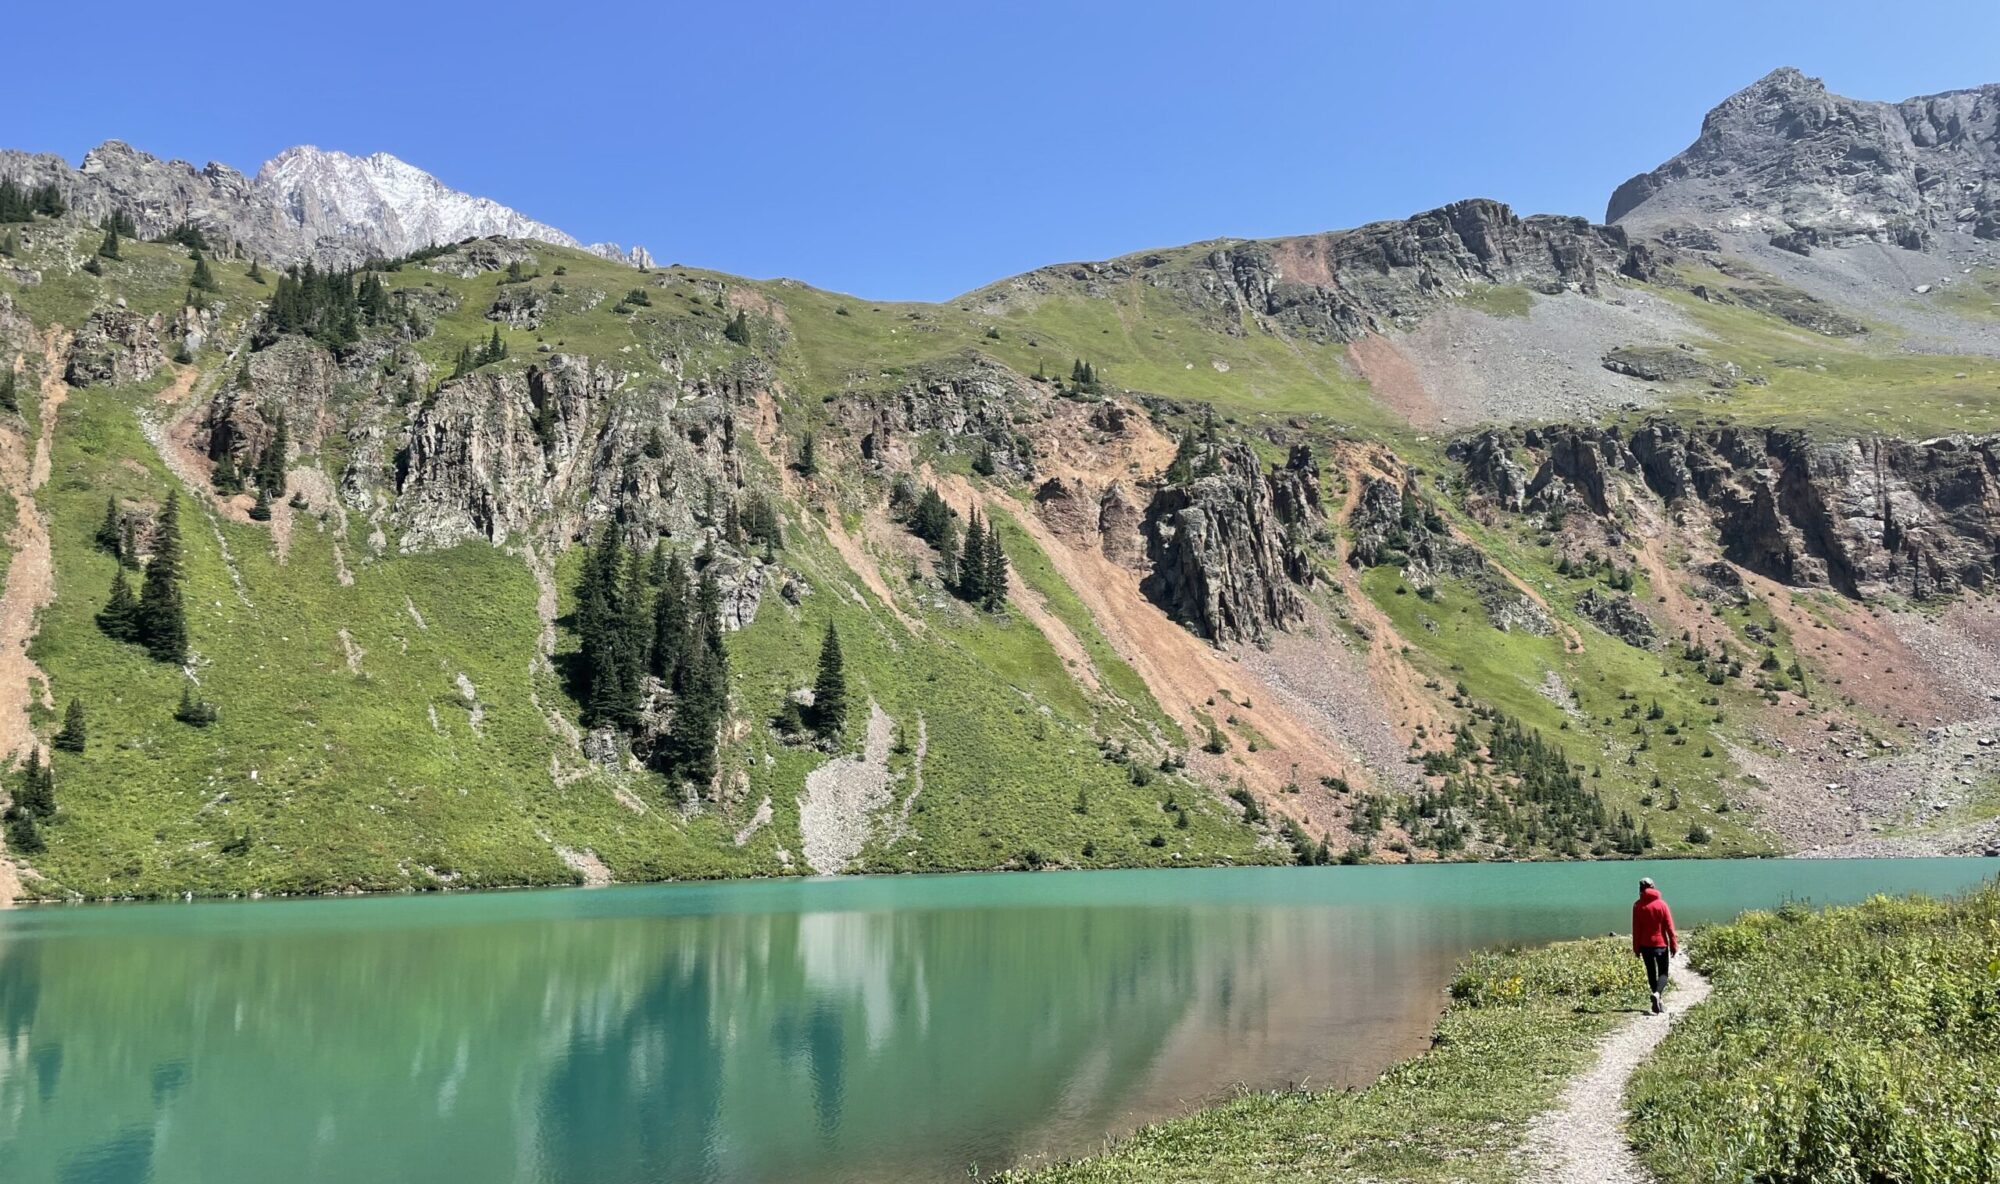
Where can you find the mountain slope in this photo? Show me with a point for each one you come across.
(1470, 535)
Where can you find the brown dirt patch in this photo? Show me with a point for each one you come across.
(1394, 380)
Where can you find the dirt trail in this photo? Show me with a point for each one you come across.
(30, 581)
(1582, 1140)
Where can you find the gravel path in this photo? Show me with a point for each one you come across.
(1582, 1141)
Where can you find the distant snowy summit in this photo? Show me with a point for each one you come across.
(304, 203)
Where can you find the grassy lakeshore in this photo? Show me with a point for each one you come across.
(1519, 1025)
(1840, 1047)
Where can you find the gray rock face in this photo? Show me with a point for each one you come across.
(115, 346)
(1867, 517)
(294, 377)
(545, 452)
(1785, 159)
(1345, 284)
(304, 204)
(970, 406)
(1225, 550)
(1619, 615)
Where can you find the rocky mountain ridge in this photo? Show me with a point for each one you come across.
(305, 203)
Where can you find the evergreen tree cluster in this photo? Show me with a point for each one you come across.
(34, 803)
(636, 618)
(120, 223)
(1084, 378)
(1520, 792)
(331, 307)
(973, 563)
(470, 359)
(23, 205)
(156, 618)
(266, 471)
(186, 234)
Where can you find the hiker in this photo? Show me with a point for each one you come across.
(1653, 937)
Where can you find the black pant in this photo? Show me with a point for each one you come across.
(1656, 968)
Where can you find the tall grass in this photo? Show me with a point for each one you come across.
(1851, 1046)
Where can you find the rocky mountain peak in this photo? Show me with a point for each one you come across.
(396, 205)
(1787, 159)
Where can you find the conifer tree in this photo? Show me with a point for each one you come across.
(972, 566)
(108, 249)
(162, 618)
(261, 512)
(830, 687)
(110, 533)
(738, 328)
(72, 736)
(993, 588)
(256, 273)
(194, 710)
(496, 349)
(226, 479)
(10, 399)
(670, 622)
(808, 456)
(49, 201)
(204, 280)
(119, 618)
(271, 466)
(704, 693)
(37, 795)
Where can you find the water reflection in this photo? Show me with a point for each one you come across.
(556, 1038)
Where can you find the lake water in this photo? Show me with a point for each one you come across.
(839, 1030)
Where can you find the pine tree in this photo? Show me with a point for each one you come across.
(495, 350)
(670, 622)
(119, 618)
(108, 249)
(49, 201)
(271, 466)
(972, 567)
(162, 619)
(808, 456)
(261, 512)
(704, 695)
(830, 687)
(194, 710)
(598, 631)
(993, 591)
(71, 738)
(635, 636)
(204, 280)
(738, 328)
(37, 795)
(110, 534)
(10, 399)
(256, 273)
(226, 479)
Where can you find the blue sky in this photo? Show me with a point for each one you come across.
(919, 150)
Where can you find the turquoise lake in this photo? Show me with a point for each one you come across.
(891, 1029)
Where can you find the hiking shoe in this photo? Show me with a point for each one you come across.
(1657, 1009)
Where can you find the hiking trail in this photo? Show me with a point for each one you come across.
(1582, 1140)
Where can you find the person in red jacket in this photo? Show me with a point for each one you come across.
(1653, 937)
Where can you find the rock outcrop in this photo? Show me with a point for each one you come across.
(1226, 552)
(1346, 284)
(114, 346)
(1785, 159)
(304, 204)
(970, 406)
(1867, 517)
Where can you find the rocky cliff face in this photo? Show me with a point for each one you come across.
(1786, 159)
(1226, 550)
(115, 346)
(304, 203)
(1346, 284)
(1866, 517)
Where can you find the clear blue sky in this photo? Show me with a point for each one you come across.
(921, 149)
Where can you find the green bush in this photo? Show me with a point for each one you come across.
(1848, 1046)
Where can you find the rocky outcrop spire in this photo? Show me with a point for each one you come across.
(1226, 550)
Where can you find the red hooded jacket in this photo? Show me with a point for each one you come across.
(1653, 923)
